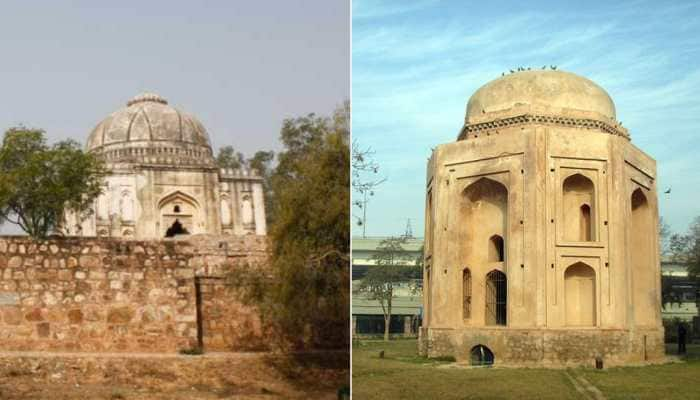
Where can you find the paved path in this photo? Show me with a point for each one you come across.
(585, 388)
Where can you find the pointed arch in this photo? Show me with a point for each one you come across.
(579, 208)
(172, 197)
(179, 207)
(642, 232)
(496, 249)
(483, 222)
(580, 295)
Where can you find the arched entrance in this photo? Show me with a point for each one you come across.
(481, 355)
(179, 214)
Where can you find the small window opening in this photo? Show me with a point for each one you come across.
(466, 294)
(481, 355)
(585, 223)
(176, 209)
(176, 229)
(496, 248)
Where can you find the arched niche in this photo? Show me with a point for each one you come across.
(483, 222)
(642, 232)
(496, 249)
(579, 209)
(178, 207)
(466, 293)
(580, 295)
(225, 211)
(126, 206)
(247, 210)
(496, 298)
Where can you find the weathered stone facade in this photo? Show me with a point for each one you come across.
(102, 294)
(541, 239)
(162, 175)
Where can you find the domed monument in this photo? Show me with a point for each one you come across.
(163, 179)
(541, 231)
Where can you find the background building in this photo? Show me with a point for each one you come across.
(681, 294)
(163, 179)
(367, 315)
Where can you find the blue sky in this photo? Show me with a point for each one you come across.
(240, 66)
(416, 63)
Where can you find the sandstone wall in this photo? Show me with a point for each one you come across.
(548, 347)
(97, 294)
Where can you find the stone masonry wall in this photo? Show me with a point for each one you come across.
(547, 347)
(99, 294)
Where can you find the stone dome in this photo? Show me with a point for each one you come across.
(548, 89)
(148, 121)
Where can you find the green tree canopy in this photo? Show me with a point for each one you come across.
(230, 158)
(306, 294)
(38, 182)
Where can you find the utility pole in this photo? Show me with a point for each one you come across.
(409, 229)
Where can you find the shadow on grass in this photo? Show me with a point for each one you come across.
(322, 370)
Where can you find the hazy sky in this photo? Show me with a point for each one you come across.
(240, 66)
(415, 65)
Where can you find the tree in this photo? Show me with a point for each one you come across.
(229, 158)
(39, 183)
(364, 181)
(686, 249)
(262, 163)
(305, 294)
(393, 267)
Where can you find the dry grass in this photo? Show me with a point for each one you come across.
(402, 374)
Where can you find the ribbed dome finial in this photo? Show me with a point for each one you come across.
(147, 97)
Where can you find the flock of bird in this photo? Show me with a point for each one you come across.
(552, 67)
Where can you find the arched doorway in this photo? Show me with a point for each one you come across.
(179, 214)
(580, 298)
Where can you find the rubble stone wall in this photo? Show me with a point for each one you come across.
(115, 295)
(547, 347)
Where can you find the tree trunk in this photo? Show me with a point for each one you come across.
(387, 323)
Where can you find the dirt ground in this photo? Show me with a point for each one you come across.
(63, 376)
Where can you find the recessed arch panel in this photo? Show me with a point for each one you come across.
(578, 202)
(580, 295)
(642, 232)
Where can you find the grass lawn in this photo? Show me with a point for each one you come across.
(402, 374)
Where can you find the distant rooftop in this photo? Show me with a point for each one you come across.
(370, 243)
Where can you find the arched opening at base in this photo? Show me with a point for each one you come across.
(176, 229)
(481, 355)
